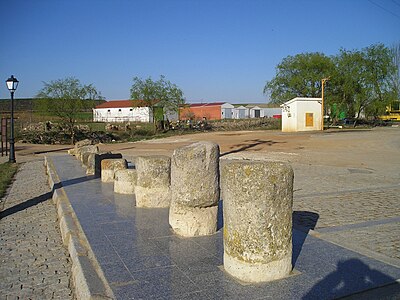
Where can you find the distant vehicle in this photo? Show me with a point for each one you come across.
(392, 112)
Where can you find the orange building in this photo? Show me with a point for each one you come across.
(209, 111)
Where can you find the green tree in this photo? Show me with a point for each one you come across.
(395, 52)
(66, 98)
(362, 81)
(160, 93)
(299, 76)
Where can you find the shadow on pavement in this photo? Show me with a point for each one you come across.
(39, 199)
(26, 204)
(77, 180)
(354, 275)
(220, 215)
(303, 221)
(254, 143)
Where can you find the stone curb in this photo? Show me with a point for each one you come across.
(87, 276)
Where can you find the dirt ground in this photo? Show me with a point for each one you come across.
(376, 148)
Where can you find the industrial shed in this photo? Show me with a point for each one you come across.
(209, 111)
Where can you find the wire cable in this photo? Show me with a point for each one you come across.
(381, 7)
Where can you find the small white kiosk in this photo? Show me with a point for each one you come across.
(301, 114)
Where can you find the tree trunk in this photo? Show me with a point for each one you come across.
(71, 129)
(357, 118)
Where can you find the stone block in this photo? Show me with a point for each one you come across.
(193, 221)
(94, 162)
(85, 158)
(109, 166)
(78, 145)
(82, 143)
(195, 189)
(125, 181)
(80, 152)
(153, 181)
(257, 205)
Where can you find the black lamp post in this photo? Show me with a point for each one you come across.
(12, 84)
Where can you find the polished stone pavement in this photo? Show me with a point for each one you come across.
(142, 259)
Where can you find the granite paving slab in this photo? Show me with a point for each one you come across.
(142, 258)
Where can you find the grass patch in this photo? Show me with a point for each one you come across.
(7, 172)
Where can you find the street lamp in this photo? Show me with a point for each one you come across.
(323, 81)
(12, 84)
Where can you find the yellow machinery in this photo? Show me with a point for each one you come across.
(392, 112)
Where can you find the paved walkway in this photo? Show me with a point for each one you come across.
(34, 263)
(142, 258)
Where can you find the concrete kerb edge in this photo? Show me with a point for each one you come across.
(88, 278)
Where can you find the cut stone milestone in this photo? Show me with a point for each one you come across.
(78, 145)
(94, 162)
(153, 181)
(125, 181)
(195, 189)
(80, 152)
(193, 221)
(109, 166)
(257, 204)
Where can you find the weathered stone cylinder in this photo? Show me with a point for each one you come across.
(109, 166)
(125, 181)
(195, 189)
(78, 145)
(82, 153)
(153, 181)
(257, 205)
(94, 162)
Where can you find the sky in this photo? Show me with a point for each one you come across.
(213, 50)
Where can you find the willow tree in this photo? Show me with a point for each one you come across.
(66, 99)
(363, 80)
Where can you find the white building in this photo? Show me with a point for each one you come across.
(241, 112)
(227, 111)
(121, 111)
(127, 111)
(256, 111)
(301, 114)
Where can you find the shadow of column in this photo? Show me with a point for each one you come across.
(303, 222)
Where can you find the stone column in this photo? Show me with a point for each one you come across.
(195, 189)
(125, 181)
(257, 204)
(82, 153)
(109, 166)
(153, 181)
(94, 162)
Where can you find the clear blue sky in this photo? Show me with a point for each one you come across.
(213, 50)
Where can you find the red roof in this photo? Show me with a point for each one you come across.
(121, 103)
(206, 104)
